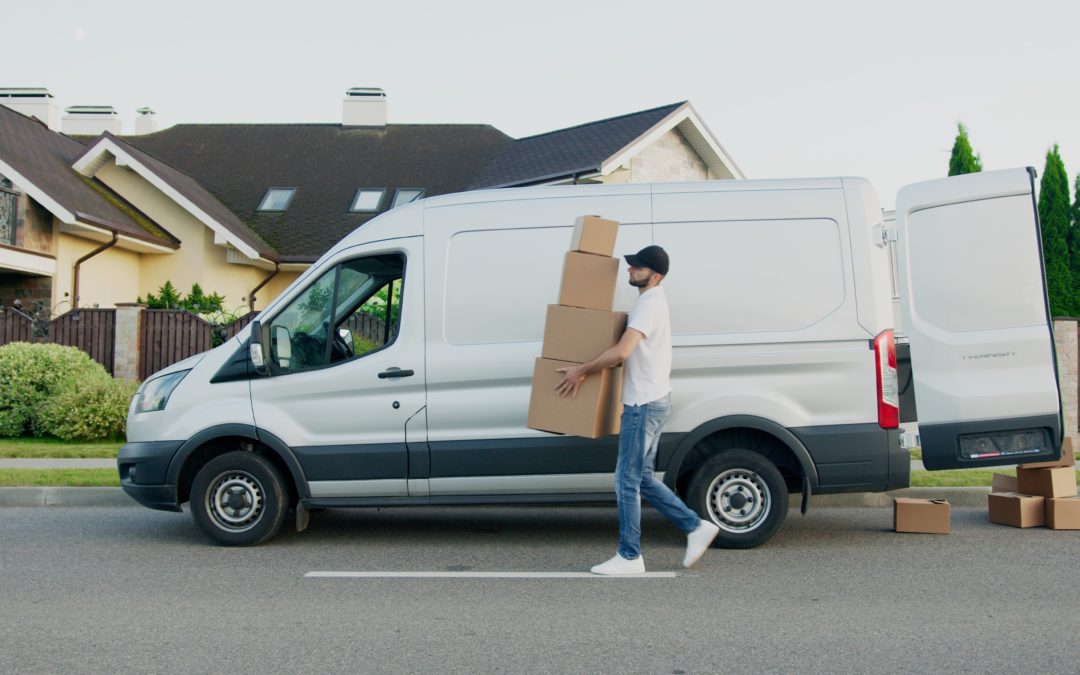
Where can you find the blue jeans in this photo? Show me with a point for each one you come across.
(638, 440)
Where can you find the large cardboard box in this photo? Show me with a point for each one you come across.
(1009, 508)
(1059, 482)
(1001, 482)
(1068, 458)
(1063, 514)
(588, 281)
(580, 335)
(593, 414)
(593, 234)
(930, 516)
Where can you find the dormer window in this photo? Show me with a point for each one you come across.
(276, 199)
(367, 200)
(406, 195)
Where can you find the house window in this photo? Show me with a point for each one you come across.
(406, 195)
(9, 205)
(367, 200)
(276, 199)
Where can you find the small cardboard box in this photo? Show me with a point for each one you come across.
(930, 516)
(1063, 514)
(580, 335)
(1001, 482)
(593, 234)
(1009, 508)
(1057, 483)
(593, 414)
(588, 281)
(1068, 458)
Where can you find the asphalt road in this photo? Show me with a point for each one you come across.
(125, 589)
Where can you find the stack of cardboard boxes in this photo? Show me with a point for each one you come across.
(1041, 494)
(577, 330)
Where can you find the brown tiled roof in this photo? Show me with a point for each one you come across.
(196, 193)
(44, 158)
(326, 163)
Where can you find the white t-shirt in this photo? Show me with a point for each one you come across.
(647, 373)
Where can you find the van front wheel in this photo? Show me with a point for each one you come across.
(743, 493)
(239, 499)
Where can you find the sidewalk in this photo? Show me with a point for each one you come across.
(50, 463)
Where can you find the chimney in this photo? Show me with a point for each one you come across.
(90, 120)
(364, 107)
(32, 102)
(145, 121)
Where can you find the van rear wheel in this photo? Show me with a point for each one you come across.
(741, 492)
(239, 499)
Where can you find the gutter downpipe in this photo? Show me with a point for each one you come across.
(80, 261)
(277, 267)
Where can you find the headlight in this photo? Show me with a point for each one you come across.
(155, 393)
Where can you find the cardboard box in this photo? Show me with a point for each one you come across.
(1057, 483)
(588, 281)
(930, 516)
(593, 234)
(1063, 514)
(1068, 458)
(1001, 482)
(594, 413)
(1009, 508)
(580, 335)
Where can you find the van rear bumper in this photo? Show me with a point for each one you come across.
(856, 457)
(143, 467)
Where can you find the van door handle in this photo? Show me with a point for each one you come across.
(395, 373)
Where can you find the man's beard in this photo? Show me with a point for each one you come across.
(638, 284)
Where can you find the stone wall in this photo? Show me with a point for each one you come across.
(670, 158)
(35, 229)
(1067, 344)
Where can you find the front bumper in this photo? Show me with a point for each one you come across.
(143, 470)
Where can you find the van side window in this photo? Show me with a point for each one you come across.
(349, 311)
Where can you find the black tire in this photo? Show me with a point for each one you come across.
(743, 493)
(239, 499)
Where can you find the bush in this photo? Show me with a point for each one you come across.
(30, 375)
(88, 410)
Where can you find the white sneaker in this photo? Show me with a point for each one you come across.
(620, 566)
(697, 542)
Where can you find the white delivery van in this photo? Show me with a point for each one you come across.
(397, 369)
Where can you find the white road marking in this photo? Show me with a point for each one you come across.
(484, 575)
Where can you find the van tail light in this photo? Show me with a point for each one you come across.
(888, 396)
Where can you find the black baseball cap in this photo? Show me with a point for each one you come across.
(653, 257)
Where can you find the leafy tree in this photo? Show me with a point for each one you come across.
(963, 159)
(1074, 249)
(1054, 217)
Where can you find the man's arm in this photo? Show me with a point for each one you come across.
(574, 376)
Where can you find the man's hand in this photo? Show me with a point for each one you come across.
(573, 377)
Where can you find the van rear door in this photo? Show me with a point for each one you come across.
(974, 306)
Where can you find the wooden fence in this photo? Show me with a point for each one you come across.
(169, 335)
(91, 330)
(15, 326)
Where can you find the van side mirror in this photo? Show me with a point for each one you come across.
(255, 349)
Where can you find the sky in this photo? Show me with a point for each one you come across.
(790, 89)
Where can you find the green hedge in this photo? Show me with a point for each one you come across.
(59, 391)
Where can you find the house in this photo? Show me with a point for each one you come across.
(96, 218)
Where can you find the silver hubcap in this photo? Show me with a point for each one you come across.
(235, 501)
(739, 500)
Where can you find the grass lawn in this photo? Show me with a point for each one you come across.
(59, 477)
(33, 448)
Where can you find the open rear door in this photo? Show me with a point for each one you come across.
(973, 303)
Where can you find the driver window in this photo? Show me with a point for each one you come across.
(351, 310)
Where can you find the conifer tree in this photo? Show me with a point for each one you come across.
(1055, 220)
(963, 159)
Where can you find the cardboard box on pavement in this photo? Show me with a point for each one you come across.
(1063, 514)
(594, 413)
(588, 281)
(1057, 483)
(1009, 508)
(593, 234)
(1068, 458)
(929, 516)
(580, 335)
(1001, 482)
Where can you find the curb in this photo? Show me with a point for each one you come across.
(108, 496)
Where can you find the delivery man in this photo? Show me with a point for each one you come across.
(645, 352)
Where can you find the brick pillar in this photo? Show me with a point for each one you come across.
(126, 344)
(1065, 338)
